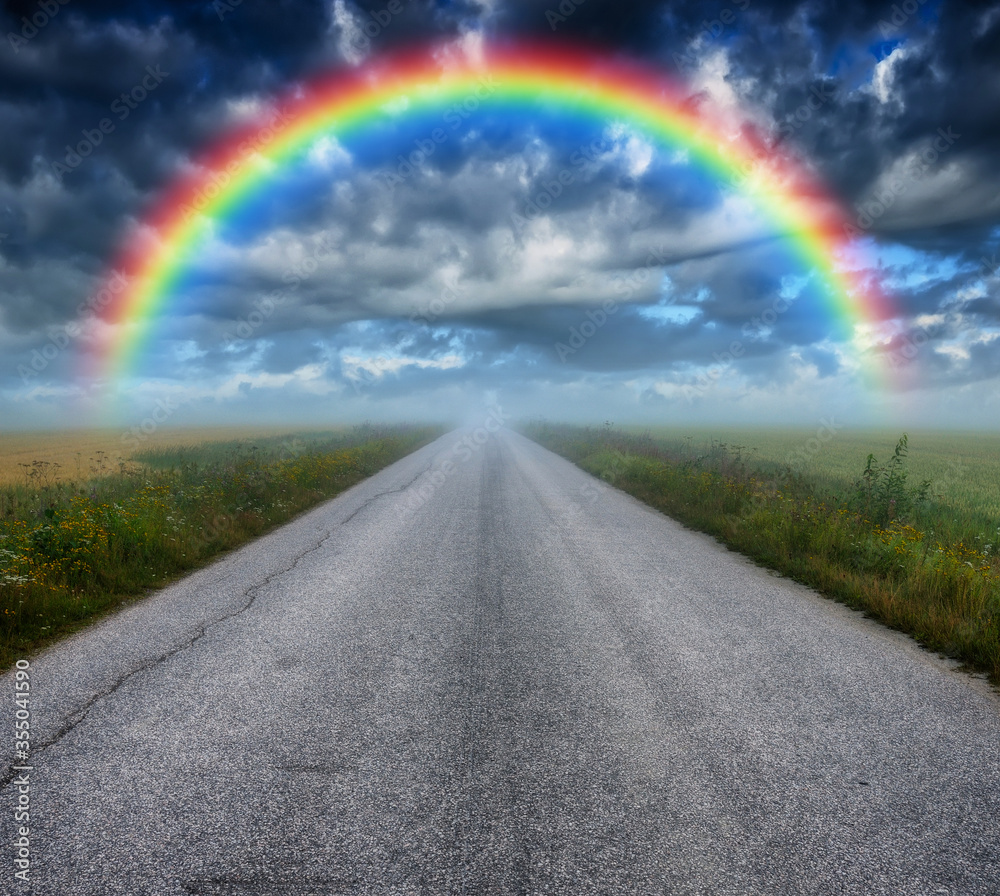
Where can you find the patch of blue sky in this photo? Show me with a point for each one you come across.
(293, 197)
(910, 268)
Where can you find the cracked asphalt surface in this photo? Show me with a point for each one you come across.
(482, 671)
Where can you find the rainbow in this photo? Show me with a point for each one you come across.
(577, 82)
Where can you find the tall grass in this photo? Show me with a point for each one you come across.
(962, 467)
(882, 545)
(69, 552)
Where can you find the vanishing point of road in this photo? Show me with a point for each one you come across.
(484, 672)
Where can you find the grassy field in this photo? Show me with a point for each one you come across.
(76, 548)
(911, 536)
(962, 467)
(45, 457)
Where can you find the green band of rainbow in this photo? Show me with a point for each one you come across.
(576, 82)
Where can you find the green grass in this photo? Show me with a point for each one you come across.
(924, 561)
(70, 552)
(963, 468)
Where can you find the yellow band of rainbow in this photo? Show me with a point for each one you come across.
(572, 81)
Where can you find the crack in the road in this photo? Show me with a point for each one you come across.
(81, 714)
(391, 491)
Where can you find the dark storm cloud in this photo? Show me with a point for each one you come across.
(861, 91)
(942, 77)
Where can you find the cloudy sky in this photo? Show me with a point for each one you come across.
(436, 294)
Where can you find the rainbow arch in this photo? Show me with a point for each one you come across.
(575, 81)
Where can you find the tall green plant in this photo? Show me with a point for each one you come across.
(882, 493)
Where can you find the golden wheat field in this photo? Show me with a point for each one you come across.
(72, 455)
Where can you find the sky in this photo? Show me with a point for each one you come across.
(460, 286)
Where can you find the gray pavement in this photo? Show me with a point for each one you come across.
(482, 671)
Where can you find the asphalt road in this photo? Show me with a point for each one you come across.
(483, 671)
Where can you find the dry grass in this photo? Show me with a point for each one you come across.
(76, 455)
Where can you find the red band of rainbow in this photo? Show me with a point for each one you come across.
(574, 81)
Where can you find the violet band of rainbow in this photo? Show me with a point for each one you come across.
(572, 81)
